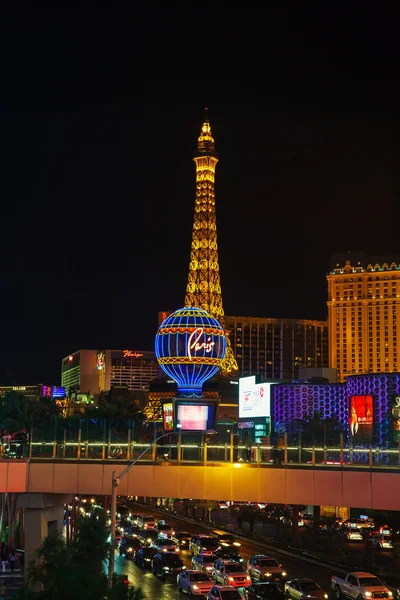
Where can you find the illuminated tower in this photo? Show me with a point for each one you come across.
(204, 286)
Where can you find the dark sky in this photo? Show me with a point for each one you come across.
(100, 113)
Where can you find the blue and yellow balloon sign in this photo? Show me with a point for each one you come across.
(190, 347)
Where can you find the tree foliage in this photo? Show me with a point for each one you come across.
(59, 572)
(18, 411)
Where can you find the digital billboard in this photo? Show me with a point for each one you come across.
(361, 417)
(254, 398)
(168, 416)
(195, 416)
(53, 391)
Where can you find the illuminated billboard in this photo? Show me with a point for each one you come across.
(168, 416)
(361, 417)
(396, 417)
(195, 416)
(254, 398)
(53, 391)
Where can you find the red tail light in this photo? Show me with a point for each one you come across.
(126, 581)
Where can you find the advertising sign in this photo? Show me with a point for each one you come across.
(195, 417)
(396, 417)
(361, 417)
(53, 391)
(168, 416)
(254, 398)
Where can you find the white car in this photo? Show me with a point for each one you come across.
(381, 542)
(194, 582)
(230, 573)
(353, 535)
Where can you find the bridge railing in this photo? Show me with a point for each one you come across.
(103, 440)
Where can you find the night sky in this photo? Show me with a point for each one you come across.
(100, 113)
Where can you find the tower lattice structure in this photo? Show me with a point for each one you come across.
(203, 288)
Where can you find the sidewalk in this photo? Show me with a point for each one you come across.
(13, 581)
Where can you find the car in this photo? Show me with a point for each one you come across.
(164, 530)
(146, 522)
(204, 562)
(226, 539)
(224, 592)
(182, 538)
(165, 545)
(381, 542)
(132, 531)
(261, 567)
(230, 553)
(302, 588)
(147, 537)
(134, 518)
(352, 535)
(203, 544)
(124, 579)
(266, 589)
(165, 564)
(128, 546)
(194, 583)
(144, 556)
(230, 573)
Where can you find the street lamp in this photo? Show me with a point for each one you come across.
(115, 483)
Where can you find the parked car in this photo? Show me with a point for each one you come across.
(300, 589)
(128, 546)
(165, 564)
(261, 567)
(204, 562)
(194, 583)
(264, 590)
(144, 556)
(230, 573)
(224, 592)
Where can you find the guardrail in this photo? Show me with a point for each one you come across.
(204, 451)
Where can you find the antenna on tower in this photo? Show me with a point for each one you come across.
(206, 114)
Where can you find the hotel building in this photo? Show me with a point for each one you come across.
(278, 348)
(93, 371)
(363, 297)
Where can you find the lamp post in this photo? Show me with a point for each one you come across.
(115, 483)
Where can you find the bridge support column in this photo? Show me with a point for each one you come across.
(43, 514)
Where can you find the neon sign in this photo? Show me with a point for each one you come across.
(194, 342)
(129, 353)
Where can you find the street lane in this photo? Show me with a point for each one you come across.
(154, 589)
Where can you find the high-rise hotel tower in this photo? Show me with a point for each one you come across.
(363, 297)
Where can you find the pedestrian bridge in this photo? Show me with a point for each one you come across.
(355, 485)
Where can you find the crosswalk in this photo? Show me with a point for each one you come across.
(13, 581)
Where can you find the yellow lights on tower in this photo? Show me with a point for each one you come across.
(204, 286)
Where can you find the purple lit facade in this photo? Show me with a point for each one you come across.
(298, 400)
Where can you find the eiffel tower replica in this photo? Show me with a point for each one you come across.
(203, 288)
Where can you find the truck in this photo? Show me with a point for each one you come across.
(359, 586)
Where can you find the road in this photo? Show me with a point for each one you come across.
(154, 589)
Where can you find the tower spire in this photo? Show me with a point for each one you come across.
(203, 289)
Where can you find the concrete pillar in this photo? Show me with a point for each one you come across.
(43, 514)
